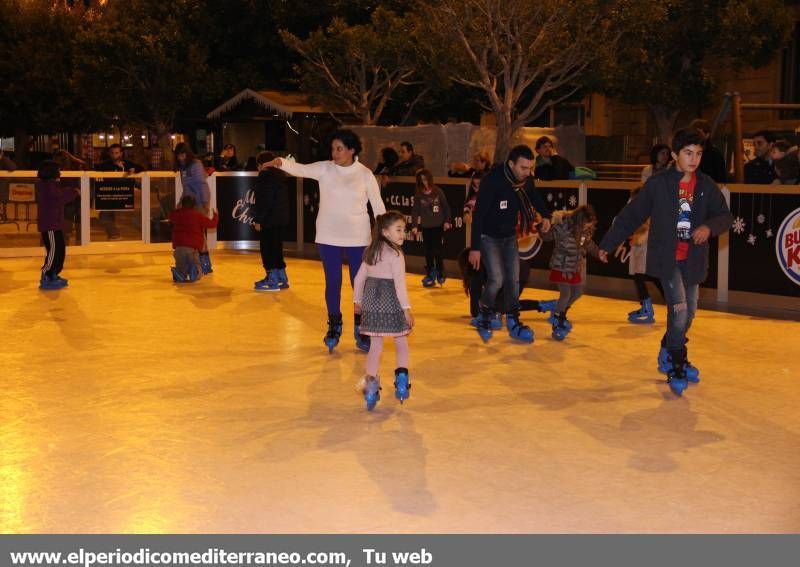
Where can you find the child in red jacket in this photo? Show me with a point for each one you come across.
(188, 226)
(52, 197)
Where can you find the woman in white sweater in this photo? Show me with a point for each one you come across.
(345, 188)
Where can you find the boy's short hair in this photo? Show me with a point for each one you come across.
(112, 146)
(686, 137)
(188, 202)
(408, 146)
(767, 135)
(542, 141)
(264, 157)
(520, 151)
(48, 170)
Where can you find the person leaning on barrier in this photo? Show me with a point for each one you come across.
(659, 161)
(787, 170)
(116, 162)
(759, 170)
(481, 162)
(410, 162)
(389, 159)
(227, 159)
(549, 165)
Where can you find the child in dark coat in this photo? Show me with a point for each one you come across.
(686, 209)
(271, 217)
(51, 198)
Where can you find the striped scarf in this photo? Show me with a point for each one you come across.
(526, 218)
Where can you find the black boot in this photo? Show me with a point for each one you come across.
(676, 376)
(334, 331)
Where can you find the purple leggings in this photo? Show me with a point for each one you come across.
(332, 264)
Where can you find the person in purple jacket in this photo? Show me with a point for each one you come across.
(52, 197)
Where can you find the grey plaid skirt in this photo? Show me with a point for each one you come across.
(381, 314)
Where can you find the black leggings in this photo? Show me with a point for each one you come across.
(272, 248)
(432, 239)
(640, 280)
(479, 280)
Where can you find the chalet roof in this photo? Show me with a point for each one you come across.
(281, 102)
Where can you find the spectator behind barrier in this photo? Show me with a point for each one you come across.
(549, 165)
(759, 170)
(409, 161)
(787, 170)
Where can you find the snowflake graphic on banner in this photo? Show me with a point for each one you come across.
(738, 225)
(572, 201)
(751, 240)
(761, 218)
(550, 197)
(768, 233)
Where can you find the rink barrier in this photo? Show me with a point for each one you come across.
(757, 208)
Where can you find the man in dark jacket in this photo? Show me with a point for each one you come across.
(685, 208)
(271, 217)
(506, 199)
(410, 162)
(713, 162)
(549, 165)
(116, 163)
(759, 170)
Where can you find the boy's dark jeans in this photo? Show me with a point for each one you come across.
(500, 257)
(681, 306)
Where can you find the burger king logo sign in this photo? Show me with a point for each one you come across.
(787, 246)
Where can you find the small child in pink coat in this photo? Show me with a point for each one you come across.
(381, 298)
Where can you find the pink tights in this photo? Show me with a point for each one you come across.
(376, 349)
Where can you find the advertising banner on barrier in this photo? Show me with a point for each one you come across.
(114, 194)
(762, 251)
(236, 197)
(22, 192)
(787, 246)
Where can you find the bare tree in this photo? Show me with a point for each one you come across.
(358, 67)
(524, 56)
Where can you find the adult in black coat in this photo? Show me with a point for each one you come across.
(549, 165)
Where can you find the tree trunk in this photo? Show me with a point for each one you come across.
(21, 148)
(165, 145)
(665, 118)
(504, 131)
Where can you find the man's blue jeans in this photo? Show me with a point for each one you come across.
(500, 257)
(681, 306)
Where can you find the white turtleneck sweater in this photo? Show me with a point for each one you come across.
(342, 219)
